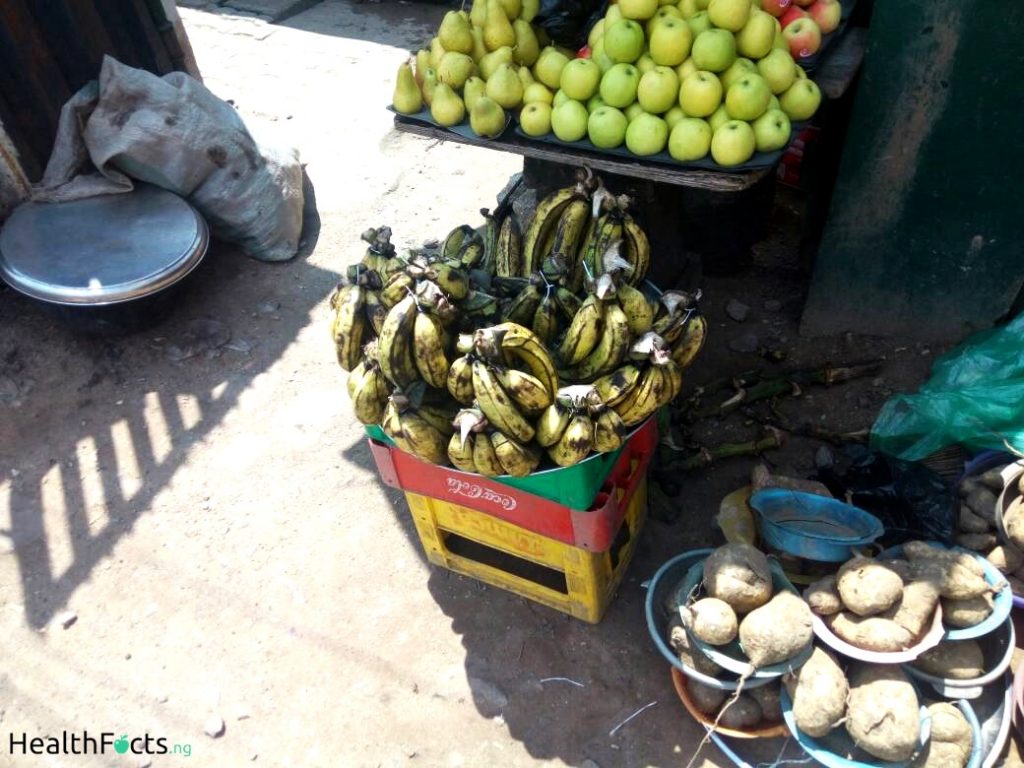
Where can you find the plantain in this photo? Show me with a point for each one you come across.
(488, 233)
(455, 241)
(568, 302)
(575, 443)
(645, 398)
(674, 376)
(460, 380)
(583, 333)
(607, 232)
(545, 319)
(528, 392)
(472, 255)
(524, 306)
(429, 350)
(508, 257)
(497, 405)
(425, 441)
(639, 310)
(521, 343)
(460, 451)
(438, 416)
(551, 424)
(515, 458)
(349, 325)
(395, 345)
(636, 248)
(484, 457)
(616, 386)
(375, 311)
(453, 281)
(609, 431)
(691, 341)
(391, 423)
(572, 226)
(542, 226)
(355, 376)
(611, 349)
(370, 395)
(398, 286)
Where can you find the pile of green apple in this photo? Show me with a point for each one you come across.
(697, 77)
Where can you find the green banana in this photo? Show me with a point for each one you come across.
(425, 441)
(524, 306)
(639, 310)
(545, 319)
(611, 349)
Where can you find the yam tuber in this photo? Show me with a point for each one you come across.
(867, 587)
(818, 691)
(738, 574)
(882, 715)
(823, 597)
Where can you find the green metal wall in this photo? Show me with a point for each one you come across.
(926, 229)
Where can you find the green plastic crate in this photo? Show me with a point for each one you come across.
(576, 487)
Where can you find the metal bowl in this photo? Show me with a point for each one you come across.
(105, 263)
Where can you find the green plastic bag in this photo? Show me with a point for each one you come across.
(975, 398)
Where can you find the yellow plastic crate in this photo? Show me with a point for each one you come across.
(569, 579)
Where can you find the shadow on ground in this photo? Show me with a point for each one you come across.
(97, 427)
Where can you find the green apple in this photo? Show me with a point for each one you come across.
(778, 70)
(633, 111)
(596, 32)
(606, 127)
(670, 43)
(645, 64)
(714, 50)
(700, 22)
(624, 41)
(757, 35)
(802, 100)
(580, 78)
(702, 5)
(594, 103)
(739, 68)
(663, 12)
(536, 92)
(780, 41)
(733, 143)
(548, 67)
(638, 9)
(771, 130)
(690, 139)
(619, 84)
(646, 135)
(686, 69)
(747, 98)
(729, 14)
(700, 94)
(559, 98)
(718, 118)
(597, 54)
(688, 8)
(613, 14)
(535, 118)
(569, 121)
(658, 90)
(673, 116)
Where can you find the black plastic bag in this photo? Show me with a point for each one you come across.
(568, 22)
(911, 500)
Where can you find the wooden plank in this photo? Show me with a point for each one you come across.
(840, 66)
(716, 181)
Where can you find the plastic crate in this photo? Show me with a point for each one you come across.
(574, 487)
(569, 579)
(591, 527)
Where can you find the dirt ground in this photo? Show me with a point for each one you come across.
(192, 527)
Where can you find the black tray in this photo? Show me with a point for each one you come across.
(758, 161)
(463, 128)
(827, 41)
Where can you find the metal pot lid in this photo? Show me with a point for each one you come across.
(102, 250)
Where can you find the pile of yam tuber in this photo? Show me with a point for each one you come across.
(976, 523)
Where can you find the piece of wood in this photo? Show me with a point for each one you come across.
(836, 73)
(715, 181)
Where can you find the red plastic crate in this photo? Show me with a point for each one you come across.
(592, 529)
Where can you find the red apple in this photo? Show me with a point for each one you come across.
(791, 15)
(803, 3)
(826, 13)
(776, 7)
(584, 52)
(804, 38)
